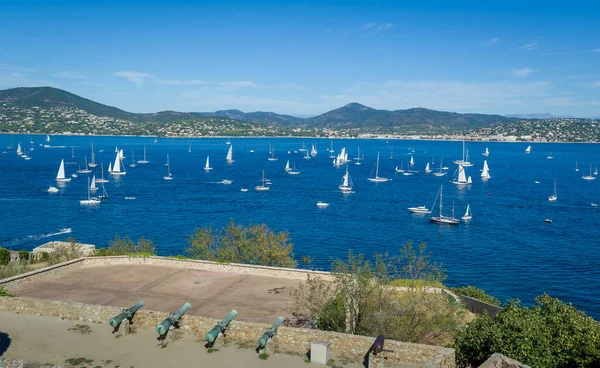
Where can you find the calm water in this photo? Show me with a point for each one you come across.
(507, 249)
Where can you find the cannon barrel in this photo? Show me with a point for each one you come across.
(164, 326)
(219, 327)
(126, 313)
(262, 342)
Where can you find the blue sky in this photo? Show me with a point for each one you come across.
(305, 58)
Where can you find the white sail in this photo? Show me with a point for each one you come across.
(427, 169)
(207, 165)
(313, 151)
(487, 152)
(230, 154)
(468, 214)
(378, 179)
(93, 185)
(117, 165)
(485, 174)
(19, 151)
(346, 182)
(554, 196)
(287, 166)
(462, 176)
(121, 155)
(109, 166)
(528, 149)
(469, 180)
(61, 171)
(47, 138)
(412, 161)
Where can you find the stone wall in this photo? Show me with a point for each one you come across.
(294, 340)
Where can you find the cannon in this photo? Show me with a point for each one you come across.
(219, 327)
(271, 331)
(125, 314)
(377, 346)
(173, 318)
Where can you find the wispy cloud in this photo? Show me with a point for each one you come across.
(525, 72)
(16, 68)
(384, 27)
(595, 103)
(247, 83)
(366, 26)
(493, 41)
(596, 84)
(135, 77)
(376, 27)
(528, 46)
(70, 75)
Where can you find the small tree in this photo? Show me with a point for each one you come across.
(120, 246)
(4, 256)
(66, 251)
(476, 293)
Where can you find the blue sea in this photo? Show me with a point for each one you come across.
(507, 248)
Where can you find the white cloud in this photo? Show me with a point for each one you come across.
(135, 77)
(528, 46)
(493, 41)
(239, 84)
(375, 27)
(595, 103)
(70, 75)
(366, 26)
(384, 27)
(525, 72)
(16, 68)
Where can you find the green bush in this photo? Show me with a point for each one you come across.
(124, 246)
(476, 293)
(254, 244)
(552, 334)
(3, 292)
(4, 256)
(24, 255)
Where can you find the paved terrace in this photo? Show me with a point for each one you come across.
(212, 293)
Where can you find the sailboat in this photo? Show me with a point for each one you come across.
(313, 151)
(104, 194)
(486, 153)
(228, 141)
(155, 139)
(86, 170)
(60, 177)
(357, 158)
(102, 171)
(121, 154)
(93, 186)
(229, 157)
(554, 196)
(440, 173)
(441, 219)
(144, 161)
(330, 150)
(462, 177)
(303, 149)
(378, 179)
(427, 169)
(528, 149)
(287, 166)
(47, 138)
(190, 148)
(468, 215)
(207, 165)
(407, 172)
(589, 177)
(109, 167)
(93, 163)
(293, 171)
(465, 158)
(272, 152)
(168, 176)
(412, 161)
(306, 157)
(347, 184)
(576, 167)
(168, 163)
(132, 164)
(19, 150)
(596, 171)
(401, 169)
(263, 187)
(116, 168)
(27, 156)
(485, 174)
(391, 152)
(89, 199)
(72, 151)
(550, 156)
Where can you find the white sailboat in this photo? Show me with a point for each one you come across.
(19, 150)
(27, 156)
(93, 162)
(468, 215)
(52, 189)
(401, 169)
(86, 170)
(303, 149)
(486, 153)
(93, 186)
(109, 167)
(272, 152)
(132, 164)
(462, 177)
(89, 200)
(262, 187)
(528, 149)
(412, 161)
(168, 176)
(121, 154)
(549, 157)
(207, 165)
(357, 158)
(330, 150)
(441, 172)
(347, 184)
(554, 195)
(102, 172)
(378, 179)
(228, 141)
(576, 166)
(427, 169)
(116, 167)
(441, 219)
(168, 163)
(485, 174)
(465, 158)
(293, 171)
(190, 148)
(596, 171)
(287, 166)
(60, 176)
(313, 151)
(47, 138)
(229, 157)
(589, 177)
(144, 161)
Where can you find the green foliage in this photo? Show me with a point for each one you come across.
(476, 293)
(124, 246)
(360, 299)
(5, 293)
(4, 256)
(24, 255)
(551, 334)
(66, 251)
(43, 256)
(13, 269)
(417, 283)
(264, 356)
(254, 244)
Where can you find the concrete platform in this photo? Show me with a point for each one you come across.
(212, 294)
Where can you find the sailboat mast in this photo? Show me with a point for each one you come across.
(377, 167)
(441, 198)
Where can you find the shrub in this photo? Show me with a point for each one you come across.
(3, 292)
(24, 256)
(124, 246)
(476, 293)
(254, 244)
(550, 334)
(67, 251)
(4, 256)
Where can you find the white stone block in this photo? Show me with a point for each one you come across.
(319, 352)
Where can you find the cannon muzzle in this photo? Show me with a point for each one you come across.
(219, 327)
(164, 326)
(271, 331)
(126, 313)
